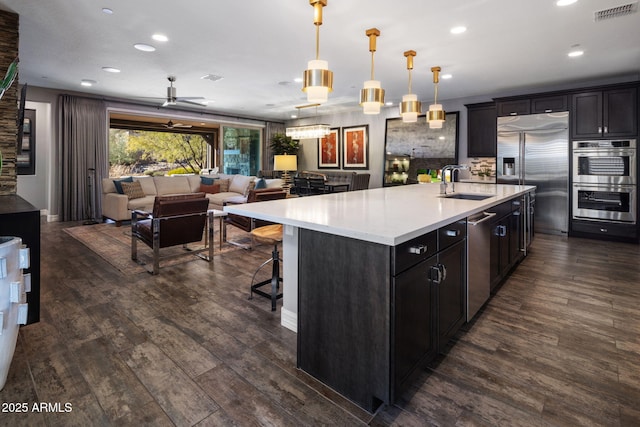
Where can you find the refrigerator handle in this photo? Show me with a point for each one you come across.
(523, 142)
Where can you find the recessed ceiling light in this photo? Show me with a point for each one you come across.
(111, 69)
(575, 53)
(298, 80)
(87, 82)
(294, 116)
(446, 76)
(458, 30)
(160, 38)
(212, 77)
(107, 11)
(388, 103)
(144, 47)
(565, 2)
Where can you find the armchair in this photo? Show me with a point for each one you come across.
(175, 220)
(245, 223)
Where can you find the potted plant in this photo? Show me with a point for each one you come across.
(282, 144)
(484, 172)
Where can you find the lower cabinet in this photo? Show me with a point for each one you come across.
(506, 240)
(414, 327)
(451, 292)
(370, 315)
(430, 304)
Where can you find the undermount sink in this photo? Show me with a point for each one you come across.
(467, 196)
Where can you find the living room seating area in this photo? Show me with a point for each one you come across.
(121, 196)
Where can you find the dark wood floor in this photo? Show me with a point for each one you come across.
(559, 345)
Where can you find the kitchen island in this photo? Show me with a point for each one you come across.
(375, 280)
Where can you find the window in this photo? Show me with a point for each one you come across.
(137, 152)
(241, 150)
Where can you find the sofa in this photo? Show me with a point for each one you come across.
(356, 181)
(121, 197)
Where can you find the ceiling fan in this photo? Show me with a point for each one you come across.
(171, 125)
(173, 99)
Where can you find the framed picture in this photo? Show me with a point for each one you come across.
(329, 150)
(355, 147)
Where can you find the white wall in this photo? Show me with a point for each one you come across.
(37, 189)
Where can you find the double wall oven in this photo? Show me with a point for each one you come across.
(604, 180)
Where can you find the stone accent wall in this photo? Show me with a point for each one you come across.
(9, 103)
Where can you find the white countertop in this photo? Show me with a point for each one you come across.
(389, 215)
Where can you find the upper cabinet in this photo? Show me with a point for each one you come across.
(605, 114)
(532, 105)
(481, 130)
(517, 107)
(549, 104)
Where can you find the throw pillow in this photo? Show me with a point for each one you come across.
(206, 180)
(118, 183)
(211, 189)
(261, 184)
(224, 185)
(133, 190)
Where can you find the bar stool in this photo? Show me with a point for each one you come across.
(270, 235)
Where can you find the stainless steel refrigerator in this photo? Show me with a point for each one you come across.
(534, 150)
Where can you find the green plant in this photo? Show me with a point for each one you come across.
(484, 172)
(282, 144)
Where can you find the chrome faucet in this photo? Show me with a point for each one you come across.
(452, 168)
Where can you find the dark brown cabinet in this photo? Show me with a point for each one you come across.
(20, 218)
(451, 292)
(516, 107)
(610, 113)
(506, 235)
(481, 130)
(414, 338)
(549, 104)
(378, 322)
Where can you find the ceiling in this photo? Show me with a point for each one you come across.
(260, 47)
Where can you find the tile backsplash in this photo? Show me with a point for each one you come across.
(477, 164)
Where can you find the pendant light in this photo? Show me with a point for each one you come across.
(308, 131)
(372, 96)
(318, 79)
(410, 107)
(436, 115)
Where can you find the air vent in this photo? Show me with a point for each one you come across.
(616, 12)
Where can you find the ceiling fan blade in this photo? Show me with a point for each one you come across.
(187, 101)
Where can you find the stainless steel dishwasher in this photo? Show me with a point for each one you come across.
(478, 259)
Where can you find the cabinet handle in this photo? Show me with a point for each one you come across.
(444, 272)
(453, 233)
(599, 129)
(418, 250)
(548, 110)
(435, 274)
(606, 129)
(513, 113)
(604, 230)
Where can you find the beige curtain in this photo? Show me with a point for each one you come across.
(84, 156)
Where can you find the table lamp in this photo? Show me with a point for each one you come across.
(285, 163)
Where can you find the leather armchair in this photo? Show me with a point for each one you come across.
(246, 223)
(175, 220)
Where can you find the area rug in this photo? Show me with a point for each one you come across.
(113, 244)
